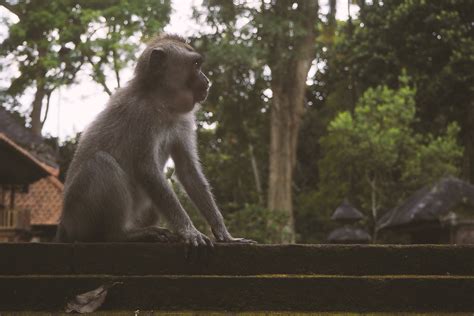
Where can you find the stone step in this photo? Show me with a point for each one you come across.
(245, 293)
(169, 259)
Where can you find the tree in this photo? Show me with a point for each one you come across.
(289, 57)
(232, 126)
(373, 50)
(116, 29)
(54, 39)
(281, 35)
(434, 42)
(48, 58)
(376, 158)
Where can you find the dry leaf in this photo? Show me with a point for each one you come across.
(89, 302)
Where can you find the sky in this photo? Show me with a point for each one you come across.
(72, 108)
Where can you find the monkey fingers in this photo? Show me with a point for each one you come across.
(245, 241)
(238, 241)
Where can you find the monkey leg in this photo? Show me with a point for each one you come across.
(97, 201)
(145, 234)
(98, 206)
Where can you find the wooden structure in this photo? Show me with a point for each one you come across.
(238, 278)
(43, 203)
(30, 193)
(348, 215)
(18, 169)
(429, 215)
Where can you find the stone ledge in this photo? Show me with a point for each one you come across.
(250, 293)
(168, 259)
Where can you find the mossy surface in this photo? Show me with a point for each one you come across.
(210, 313)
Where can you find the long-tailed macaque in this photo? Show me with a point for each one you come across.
(115, 187)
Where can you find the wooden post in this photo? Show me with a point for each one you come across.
(12, 197)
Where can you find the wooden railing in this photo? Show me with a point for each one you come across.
(14, 219)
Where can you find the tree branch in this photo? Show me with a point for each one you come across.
(256, 174)
(48, 97)
(115, 58)
(98, 79)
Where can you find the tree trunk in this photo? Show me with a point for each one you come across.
(374, 206)
(288, 86)
(37, 106)
(256, 174)
(283, 134)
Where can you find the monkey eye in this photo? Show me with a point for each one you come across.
(198, 62)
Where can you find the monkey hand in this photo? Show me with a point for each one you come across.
(225, 237)
(194, 238)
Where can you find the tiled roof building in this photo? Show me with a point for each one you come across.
(12, 127)
(44, 200)
(30, 192)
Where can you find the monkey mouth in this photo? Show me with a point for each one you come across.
(202, 96)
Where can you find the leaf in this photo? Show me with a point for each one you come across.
(89, 302)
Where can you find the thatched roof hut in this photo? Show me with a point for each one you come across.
(349, 235)
(429, 204)
(346, 213)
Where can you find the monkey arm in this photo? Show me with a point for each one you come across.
(164, 197)
(190, 175)
(189, 172)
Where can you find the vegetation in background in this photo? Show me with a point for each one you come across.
(432, 42)
(374, 157)
(53, 40)
(277, 40)
(365, 134)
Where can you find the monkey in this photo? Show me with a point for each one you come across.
(115, 188)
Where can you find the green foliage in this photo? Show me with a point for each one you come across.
(250, 44)
(41, 41)
(366, 135)
(438, 156)
(233, 123)
(423, 38)
(376, 158)
(53, 40)
(257, 223)
(115, 29)
(252, 221)
(434, 42)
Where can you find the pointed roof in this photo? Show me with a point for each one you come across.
(13, 128)
(429, 203)
(18, 166)
(349, 234)
(347, 213)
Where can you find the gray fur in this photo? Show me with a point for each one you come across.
(115, 188)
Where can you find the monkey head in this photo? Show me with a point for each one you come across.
(172, 69)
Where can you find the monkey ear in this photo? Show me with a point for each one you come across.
(157, 58)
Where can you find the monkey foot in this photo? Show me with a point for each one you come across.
(159, 234)
(223, 236)
(148, 234)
